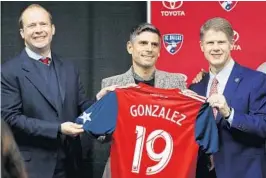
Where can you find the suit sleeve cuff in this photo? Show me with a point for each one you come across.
(231, 117)
(59, 128)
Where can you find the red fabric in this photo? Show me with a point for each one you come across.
(182, 160)
(46, 60)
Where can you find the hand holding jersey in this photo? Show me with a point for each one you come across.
(218, 101)
(108, 89)
(171, 126)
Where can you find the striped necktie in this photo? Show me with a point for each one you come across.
(214, 90)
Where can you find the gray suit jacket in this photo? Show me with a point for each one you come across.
(162, 80)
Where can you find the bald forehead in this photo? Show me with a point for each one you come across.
(35, 13)
(32, 10)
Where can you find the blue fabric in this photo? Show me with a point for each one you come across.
(102, 115)
(206, 130)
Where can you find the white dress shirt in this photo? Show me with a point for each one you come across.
(36, 56)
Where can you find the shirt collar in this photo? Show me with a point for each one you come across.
(36, 56)
(224, 74)
(137, 77)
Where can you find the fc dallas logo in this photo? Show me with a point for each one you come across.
(228, 5)
(173, 42)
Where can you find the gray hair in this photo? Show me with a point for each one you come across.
(144, 27)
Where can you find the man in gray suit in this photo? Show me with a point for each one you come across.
(144, 46)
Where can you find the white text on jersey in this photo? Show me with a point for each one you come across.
(157, 111)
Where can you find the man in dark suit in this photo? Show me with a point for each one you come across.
(41, 96)
(238, 96)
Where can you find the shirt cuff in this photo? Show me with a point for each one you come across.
(230, 119)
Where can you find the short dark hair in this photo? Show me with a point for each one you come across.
(143, 27)
(20, 21)
(217, 24)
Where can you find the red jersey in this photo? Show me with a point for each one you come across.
(156, 132)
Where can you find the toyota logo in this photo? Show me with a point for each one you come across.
(172, 4)
(236, 36)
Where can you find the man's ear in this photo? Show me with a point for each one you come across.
(129, 47)
(53, 29)
(201, 45)
(21, 31)
(232, 44)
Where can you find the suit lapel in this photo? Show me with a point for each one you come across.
(128, 77)
(232, 83)
(61, 76)
(33, 75)
(231, 86)
(204, 85)
(158, 81)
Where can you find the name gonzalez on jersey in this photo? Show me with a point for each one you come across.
(157, 112)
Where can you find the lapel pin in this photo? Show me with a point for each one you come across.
(237, 80)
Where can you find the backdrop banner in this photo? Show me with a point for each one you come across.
(180, 22)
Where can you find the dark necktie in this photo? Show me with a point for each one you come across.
(46, 60)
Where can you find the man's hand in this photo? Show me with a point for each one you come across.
(72, 129)
(218, 101)
(188, 92)
(129, 85)
(106, 90)
(199, 76)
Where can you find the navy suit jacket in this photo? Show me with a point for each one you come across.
(242, 145)
(34, 115)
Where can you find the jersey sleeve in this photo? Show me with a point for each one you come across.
(100, 118)
(206, 130)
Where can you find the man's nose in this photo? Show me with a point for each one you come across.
(38, 29)
(216, 47)
(149, 47)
